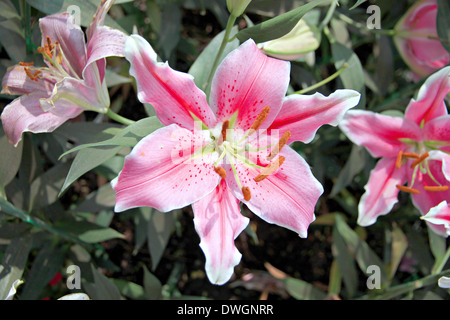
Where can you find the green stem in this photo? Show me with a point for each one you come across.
(225, 40)
(324, 81)
(114, 116)
(26, 23)
(441, 263)
(361, 26)
(328, 16)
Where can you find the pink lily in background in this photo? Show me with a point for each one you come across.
(417, 41)
(412, 149)
(72, 80)
(232, 150)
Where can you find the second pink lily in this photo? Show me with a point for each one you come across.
(236, 150)
(413, 149)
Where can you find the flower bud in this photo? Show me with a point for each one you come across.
(237, 7)
(417, 41)
(299, 41)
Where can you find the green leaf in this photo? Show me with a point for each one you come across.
(13, 263)
(279, 26)
(443, 24)
(10, 158)
(303, 290)
(357, 4)
(201, 68)
(102, 288)
(353, 76)
(160, 227)
(363, 254)
(152, 285)
(345, 262)
(87, 231)
(48, 261)
(45, 188)
(87, 9)
(92, 155)
(129, 289)
(399, 246)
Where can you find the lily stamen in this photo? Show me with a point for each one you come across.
(221, 172)
(33, 76)
(270, 169)
(284, 139)
(407, 189)
(436, 188)
(26, 64)
(398, 161)
(247, 194)
(420, 159)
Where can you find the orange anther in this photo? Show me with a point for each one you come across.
(420, 159)
(411, 155)
(436, 188)
(407, 189)
(271, 168)
(398, 162)
(32, 76)
(26, 64)
(225, 126)
(284, 139)
(247, 194)
(221, 172)
(262, 116)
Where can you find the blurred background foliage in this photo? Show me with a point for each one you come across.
(53, 214)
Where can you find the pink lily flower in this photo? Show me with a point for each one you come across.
(232, 150)
(417, 41)
(70, 83)
(412, 149)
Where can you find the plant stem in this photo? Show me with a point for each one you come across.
(364, 27)
(441, 263)
(114, 116)
(324, 81)
(225, 40)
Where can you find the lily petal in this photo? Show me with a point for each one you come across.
(218, 221)
(62, 28)
(429, 103)
(378, 133)
(247, 81)
(25, 114)
(302, 115)
(438, 129)
(105, 42)
(444, 158)
(99, 17)
(161, 173)
(16, 82)
(381, 191)
(173, 94)
(287, 197)
(70, 94)
(439, 215)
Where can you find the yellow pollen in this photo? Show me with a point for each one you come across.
(262, 116)
(407, 189)
(247, 194)
(271, 168)
(221, 172)
(284, 139)
(420, 159)
(436, 188)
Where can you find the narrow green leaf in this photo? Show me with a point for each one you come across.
(10, 158)
(279, 26)
(363, 254)
(86, 231)
(201, 68)
(353, 76)
(399, 246)
(152, 285)
(443, 23)
(357, 4)
(129, 289)
(102, 288)
(160, 227)
(48, 261)
(13, 263)
(303, 290)
(345, 263)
